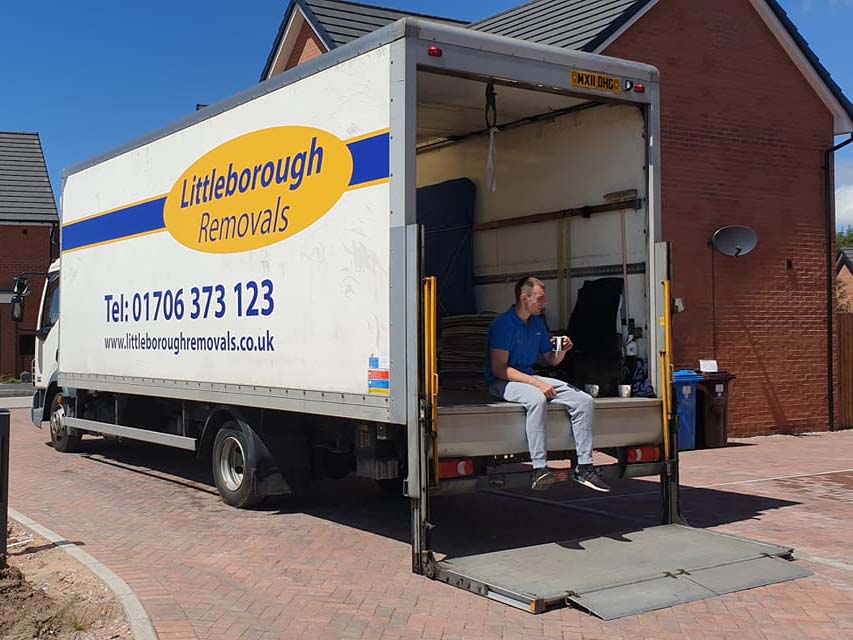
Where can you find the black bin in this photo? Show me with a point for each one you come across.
(712, 410)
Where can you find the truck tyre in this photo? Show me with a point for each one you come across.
(232, 465)
(59, 436)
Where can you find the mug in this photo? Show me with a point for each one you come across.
(624, 390)
(591, 389)
(559, 342)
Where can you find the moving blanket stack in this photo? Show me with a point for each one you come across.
(462, 351)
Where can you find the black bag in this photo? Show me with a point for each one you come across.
(597, 355)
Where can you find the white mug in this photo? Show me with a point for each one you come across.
(559, 342)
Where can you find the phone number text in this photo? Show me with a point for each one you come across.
(244, 299)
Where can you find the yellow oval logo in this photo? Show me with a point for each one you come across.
(258, 189)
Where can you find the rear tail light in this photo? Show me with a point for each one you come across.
(643, 454)
(455, 468)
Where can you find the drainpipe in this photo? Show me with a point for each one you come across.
(830, 273)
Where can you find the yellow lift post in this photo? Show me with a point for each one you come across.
(430, 317)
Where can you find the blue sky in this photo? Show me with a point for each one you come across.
(89, 76)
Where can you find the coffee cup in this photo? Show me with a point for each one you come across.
(624, 390)
(559, 343)
(591, 389)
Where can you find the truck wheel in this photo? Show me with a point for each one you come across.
(230, 468)
(59, 436)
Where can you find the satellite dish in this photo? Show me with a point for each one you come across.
(734, 240)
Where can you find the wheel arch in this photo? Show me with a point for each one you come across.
(50, 391)
(264, 472)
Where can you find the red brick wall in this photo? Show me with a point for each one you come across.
(307, 47)
(21, 249)
(742, 143)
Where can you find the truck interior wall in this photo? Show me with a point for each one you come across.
(570, 161)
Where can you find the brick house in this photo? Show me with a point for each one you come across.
(28, 223)
(748, 112)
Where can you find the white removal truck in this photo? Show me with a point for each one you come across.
(248, 283)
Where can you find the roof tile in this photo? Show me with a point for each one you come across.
(25, 191)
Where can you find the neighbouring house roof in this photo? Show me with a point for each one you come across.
(585, 25)
(337, 22)
(25, 192)
(845, 258)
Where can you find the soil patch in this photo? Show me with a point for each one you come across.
(45, 593)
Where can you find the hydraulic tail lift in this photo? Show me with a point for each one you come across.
(638, 570)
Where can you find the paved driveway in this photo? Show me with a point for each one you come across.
(337, 564)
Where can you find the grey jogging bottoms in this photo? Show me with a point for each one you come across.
(580, 406)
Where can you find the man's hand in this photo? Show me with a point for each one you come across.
(566, 340)
(554, 358)
(547, 389)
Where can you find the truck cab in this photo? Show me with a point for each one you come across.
(46, 361)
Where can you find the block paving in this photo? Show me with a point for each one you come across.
(337, 564)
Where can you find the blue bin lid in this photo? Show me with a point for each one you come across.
(686, 375)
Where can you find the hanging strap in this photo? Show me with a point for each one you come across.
(491, 117)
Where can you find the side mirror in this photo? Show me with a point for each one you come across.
(20, 286)
(17, 308)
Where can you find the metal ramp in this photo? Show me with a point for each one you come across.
(622, 574)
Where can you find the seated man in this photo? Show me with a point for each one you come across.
(516, 338)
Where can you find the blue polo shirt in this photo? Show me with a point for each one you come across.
(524, 341)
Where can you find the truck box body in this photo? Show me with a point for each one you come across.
(339, 285)
(296, 253)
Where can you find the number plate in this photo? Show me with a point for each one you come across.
(596, 81)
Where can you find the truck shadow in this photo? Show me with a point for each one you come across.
(163, 463)
(463, 524)
(494, 521)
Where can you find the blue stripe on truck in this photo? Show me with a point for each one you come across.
(370, 162)
(371, 159)
(131, 221)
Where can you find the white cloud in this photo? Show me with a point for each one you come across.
(843, 191)
(844, 206)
